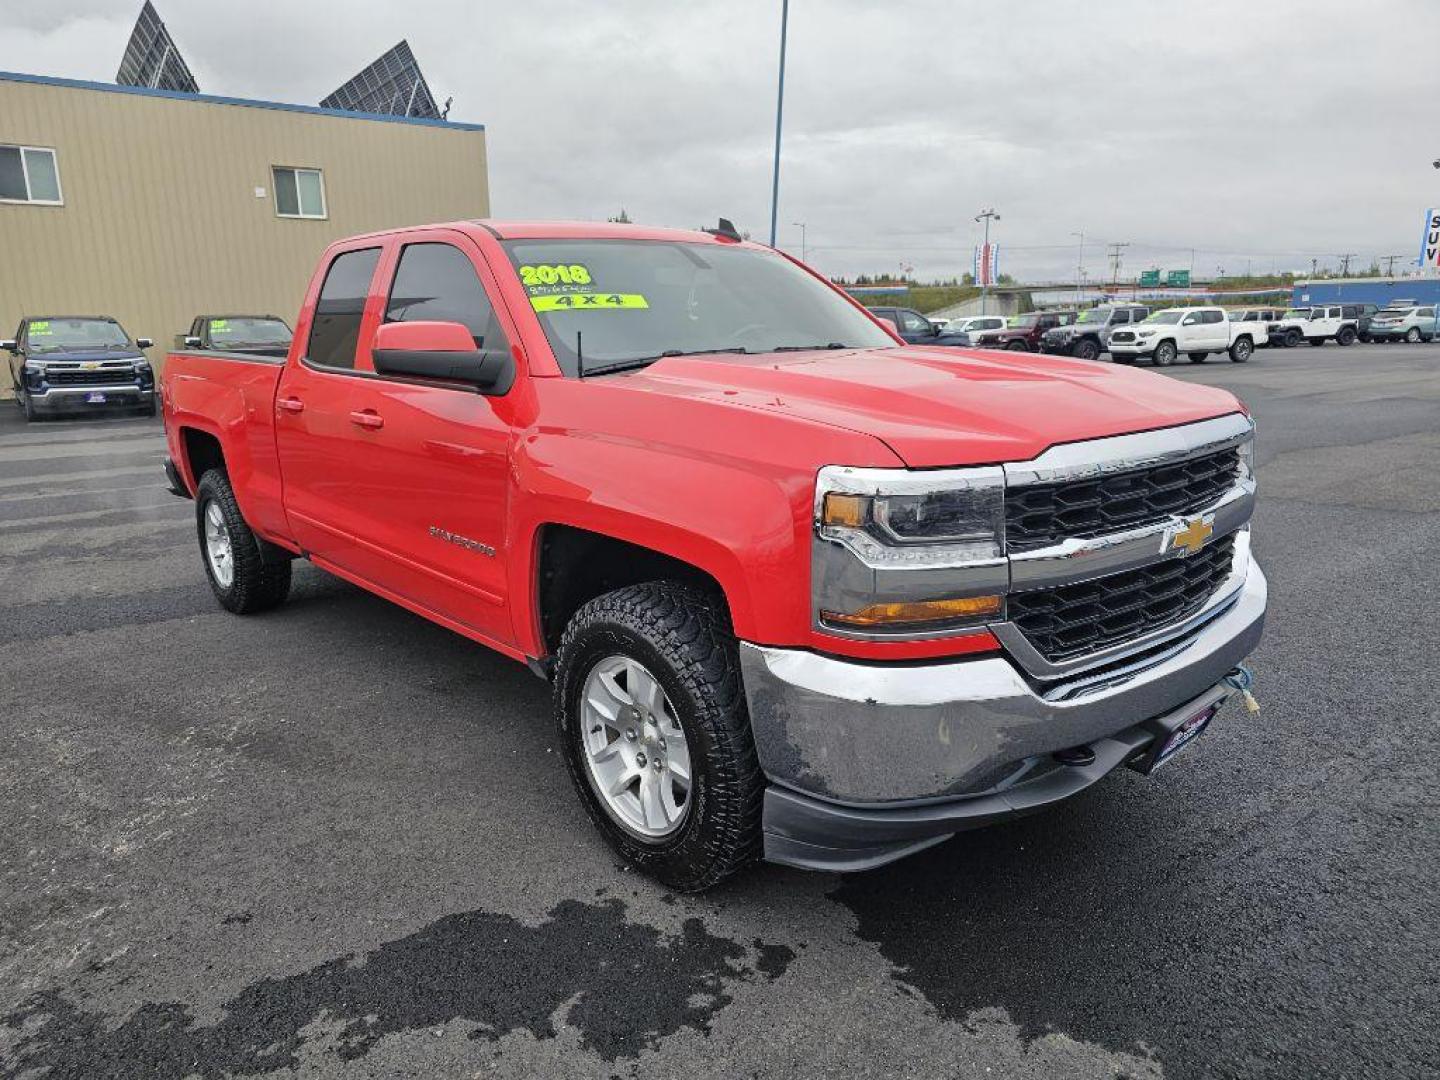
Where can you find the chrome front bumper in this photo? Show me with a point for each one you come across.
(871, 761)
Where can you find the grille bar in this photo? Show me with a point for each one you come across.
(90, 378)
(1072, 620)
(1041, 515)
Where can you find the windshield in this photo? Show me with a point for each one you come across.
(1298, 313)
(227, 333)
(615, 301)
(1094, 315)
(1165, 317)
(75, 335)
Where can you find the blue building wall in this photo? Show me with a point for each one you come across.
(1366, 291)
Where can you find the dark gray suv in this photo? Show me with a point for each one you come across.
(1089, 335)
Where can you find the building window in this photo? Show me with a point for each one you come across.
(29, 174)
(299, 192)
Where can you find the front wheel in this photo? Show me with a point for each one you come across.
(32, 414)
(1346, 336)
(1412, 335)
(1165, 354)
(1085, 349)
(1017, 346)
(1293, 337)
(246, 574)
(1242, 350)
(656, 735)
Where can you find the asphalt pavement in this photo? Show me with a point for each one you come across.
(337, 840)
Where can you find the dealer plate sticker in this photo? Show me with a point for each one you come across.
(95, 399)
(1185, 734)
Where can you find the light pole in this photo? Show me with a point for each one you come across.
(779, 114)
(986, 215)
(1079, 266)
(802, 238)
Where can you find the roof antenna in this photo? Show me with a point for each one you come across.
(579, 356)
(725, 229)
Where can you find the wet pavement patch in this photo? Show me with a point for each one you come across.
(630, 985)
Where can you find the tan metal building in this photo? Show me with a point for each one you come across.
(154, 206)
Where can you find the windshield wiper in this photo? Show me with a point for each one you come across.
(646, 361)
(810, 348)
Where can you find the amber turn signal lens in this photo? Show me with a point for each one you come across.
(923, 611)
(848, 510)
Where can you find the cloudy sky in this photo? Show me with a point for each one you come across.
(1260, 133)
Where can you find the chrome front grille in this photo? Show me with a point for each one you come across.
(1041, 515)
(1072, 620)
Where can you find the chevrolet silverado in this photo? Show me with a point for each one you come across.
(803, 592)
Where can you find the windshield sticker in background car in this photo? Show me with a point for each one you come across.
(40, 329)
(219, 326)
(541, 278)
(588, 302)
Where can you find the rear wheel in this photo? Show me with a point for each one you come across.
(246, 574)
(652, 718)
(1346, 336)
(1165, 354)
(1242, 350)
(1086, 349)
(1412, 335)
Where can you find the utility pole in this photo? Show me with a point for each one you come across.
(1115, 250)
(1390, 263)
(1314, 266)
(1345, 263)
(987, 215)
(779, 112)
(1079, 266)
(802, 238)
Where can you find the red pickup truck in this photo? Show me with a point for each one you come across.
(803, 592)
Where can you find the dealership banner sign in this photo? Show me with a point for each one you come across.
(987, 264)
(1430, 239)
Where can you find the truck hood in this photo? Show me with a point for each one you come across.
(936, 407)
(85, 355)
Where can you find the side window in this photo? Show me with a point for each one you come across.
(335, 330)
(438, 283)
(1426, 313)
(914, 324)
(1121, 316)
(1349, 311)
(1214, 316)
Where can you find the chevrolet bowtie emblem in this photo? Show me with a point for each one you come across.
(1191, 538)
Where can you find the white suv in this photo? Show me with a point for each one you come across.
(1317, 325)
(1196, 332)
(1410, 324)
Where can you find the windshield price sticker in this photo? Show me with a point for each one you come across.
(219, 324)
(40, 329)
(541, 279)
(588, 302)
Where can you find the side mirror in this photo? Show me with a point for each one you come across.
(441, 350)
(144, 343)
(10, 345)
(1190, 320)
(192, 342)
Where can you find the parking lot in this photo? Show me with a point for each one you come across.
(337, 839)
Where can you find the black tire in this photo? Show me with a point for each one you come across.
(1346, 336)
(1165, 354)
(261, 571)
(1242, 350)
(148, 409)
(1017, 346)
(32, 415)
(1293, 337)
(1412, 335)
(683, 637)
(1197, 357)
(1086, 349)
(1316, 342)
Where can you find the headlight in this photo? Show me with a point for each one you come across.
(902, 552)
(1146, 333)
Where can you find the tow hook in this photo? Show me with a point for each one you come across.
(1242, 678)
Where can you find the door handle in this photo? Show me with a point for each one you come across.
(291, 404)
(367, 418)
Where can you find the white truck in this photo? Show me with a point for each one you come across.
(1197, 332)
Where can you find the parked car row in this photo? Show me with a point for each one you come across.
(89, 363)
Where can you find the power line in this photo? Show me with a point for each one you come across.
(1390, 263)
(1115, 252)
(1345, 263)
